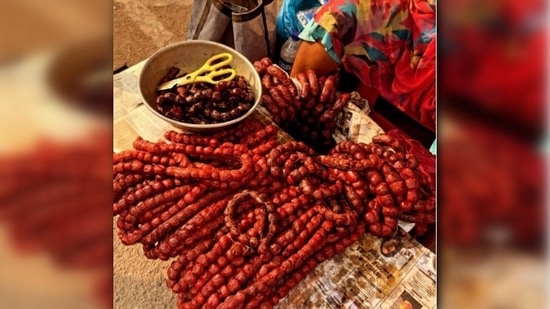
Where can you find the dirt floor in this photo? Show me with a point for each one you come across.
(142, 27)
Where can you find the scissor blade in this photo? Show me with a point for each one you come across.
(168, 85)
(180, 81)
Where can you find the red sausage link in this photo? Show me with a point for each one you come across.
(270, 105)
(278, 98)
(267, 82)
(306, 87)
(277, 73)
(313, 82)
(285, 92)
(328, 89)
(259, 67)
(266, 62)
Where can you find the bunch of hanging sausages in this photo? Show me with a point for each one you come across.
(246, 217)
(308, 112)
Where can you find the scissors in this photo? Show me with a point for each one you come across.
(207, 73)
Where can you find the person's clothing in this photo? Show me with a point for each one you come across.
(388, 44)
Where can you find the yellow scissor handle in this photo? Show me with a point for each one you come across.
(211, 76)
(210, 67)
(217, 61)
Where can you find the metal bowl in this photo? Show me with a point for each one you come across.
(189, 56)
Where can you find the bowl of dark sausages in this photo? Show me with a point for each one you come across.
(199, 106)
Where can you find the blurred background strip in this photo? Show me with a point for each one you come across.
(55, 154)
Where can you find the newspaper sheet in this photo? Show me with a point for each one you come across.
(371, 275)
(396, 274)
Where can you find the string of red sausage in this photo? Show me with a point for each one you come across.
(247, 218)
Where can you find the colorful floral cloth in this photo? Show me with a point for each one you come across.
(388, 44)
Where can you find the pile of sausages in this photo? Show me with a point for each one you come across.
(247, 218)
(203, 103)
(308, 112)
